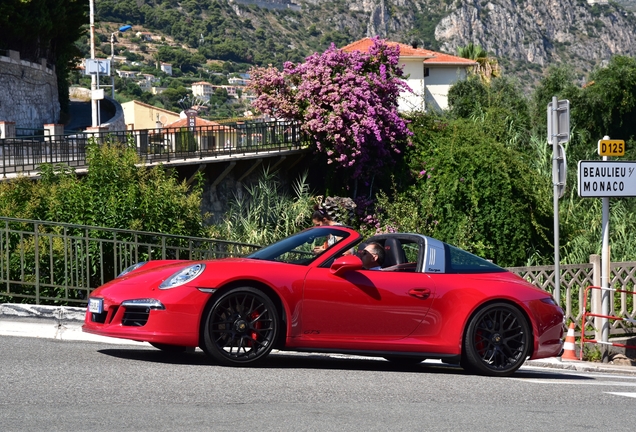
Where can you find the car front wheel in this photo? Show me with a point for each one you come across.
(241, 327)
(497, 341)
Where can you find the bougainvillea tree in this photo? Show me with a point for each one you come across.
(346, 101)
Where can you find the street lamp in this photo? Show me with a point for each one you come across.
(112, 56)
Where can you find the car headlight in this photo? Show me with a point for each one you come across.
(131, 268)
(183, 276)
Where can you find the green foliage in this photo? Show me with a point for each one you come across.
(472, 51)
(557, 82)
(592, 353)
(607, 106)
(115, 193)
(423, 30)
(471, 191)
(500, 107)
(266, 214)
(185, 141)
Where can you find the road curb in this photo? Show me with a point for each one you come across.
(49, 322)
(582, 366)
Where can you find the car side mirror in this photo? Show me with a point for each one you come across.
(346, 263)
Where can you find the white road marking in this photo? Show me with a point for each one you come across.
(588, 383)
(633, 395)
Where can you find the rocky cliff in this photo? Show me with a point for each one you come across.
(526, 36)
(541, 32)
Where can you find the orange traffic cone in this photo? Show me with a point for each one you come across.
(569, 349)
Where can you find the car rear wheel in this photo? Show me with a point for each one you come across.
(497, 341)
(241, 327)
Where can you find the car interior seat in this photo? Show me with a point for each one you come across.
(393, 253)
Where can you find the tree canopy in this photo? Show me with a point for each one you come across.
(115, 193)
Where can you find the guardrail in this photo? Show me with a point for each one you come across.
(575, 278)
(24, 154)
(58, 263)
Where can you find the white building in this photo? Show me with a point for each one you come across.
(238, 81)
(430, 75)
(167, 68)
(205, 90)
(127, 74)
(202, 90)
(147, 81)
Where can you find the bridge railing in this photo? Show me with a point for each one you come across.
(58, 263)
(24, 154)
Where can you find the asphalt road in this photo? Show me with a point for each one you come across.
(55, 385)
(81, 115)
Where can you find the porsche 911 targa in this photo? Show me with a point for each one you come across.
(430, 300)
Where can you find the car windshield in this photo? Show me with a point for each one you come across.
(301, 248)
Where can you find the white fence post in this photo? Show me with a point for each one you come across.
(595, 260)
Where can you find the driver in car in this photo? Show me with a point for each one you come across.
(372, 256)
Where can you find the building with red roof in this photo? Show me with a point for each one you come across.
(430, 74)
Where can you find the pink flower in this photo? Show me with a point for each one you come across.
(347, 102)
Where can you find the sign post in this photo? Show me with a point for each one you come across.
(605, 179)
(94, 79)
(558, 133)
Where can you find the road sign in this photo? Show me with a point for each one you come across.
(599, 179)
(611, 148)
(97, 66)
(561, 174)
(97, 94)
(560, 130)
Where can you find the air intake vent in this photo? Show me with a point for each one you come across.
(135, 316)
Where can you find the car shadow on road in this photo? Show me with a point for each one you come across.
(294, 360)
(284, 361)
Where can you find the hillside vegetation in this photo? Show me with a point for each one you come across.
(525, 36)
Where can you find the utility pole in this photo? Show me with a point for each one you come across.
(94, 106)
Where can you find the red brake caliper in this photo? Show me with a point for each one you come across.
(257, 325)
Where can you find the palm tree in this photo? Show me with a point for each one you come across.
(486, 67)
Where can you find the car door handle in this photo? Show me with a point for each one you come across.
(422, 293)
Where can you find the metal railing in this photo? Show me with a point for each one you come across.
(24, 154)
(575, 278)
(58, 263)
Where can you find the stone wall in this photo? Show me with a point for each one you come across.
(28, 92)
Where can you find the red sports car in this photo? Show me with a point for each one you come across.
(430, 300)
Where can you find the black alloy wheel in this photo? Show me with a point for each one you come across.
(241, 327)
(497, 341)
